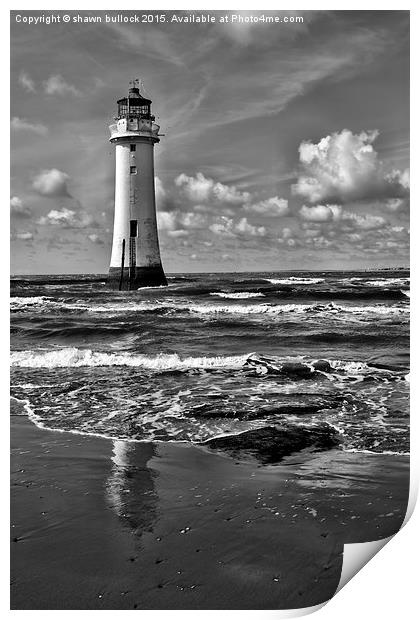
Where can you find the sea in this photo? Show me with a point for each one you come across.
(217, 355)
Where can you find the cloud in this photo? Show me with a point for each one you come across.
(396, 204)
(52, 184)
(57, 242)
(21, 124)
(364, 222)
(95, 239)
(56, 85)
(399, 178)
(244, 227)
(343, 221)
(159, 190)
(271, 207)
(26, 82)
(22, 236)
(18, 208)
(202, 189)
(176, 220)
(343, 167)
(226, 227)
(320, 213)
(67, 218)
(178, 233)
(166, 220)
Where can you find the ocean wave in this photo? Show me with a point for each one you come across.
(388, 282)
(21, 302)
(74, 357)
(243, 295)
(295, 280)
(275, 309)
(402, 281)
(161, 307)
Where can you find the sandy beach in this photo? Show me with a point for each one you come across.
(101, 524)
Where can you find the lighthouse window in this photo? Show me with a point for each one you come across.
(133, 169)
(133, 228)
(132, 147)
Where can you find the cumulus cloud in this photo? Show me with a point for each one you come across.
(22, 236)
(95, 239)
(396, 204)
(271, 207)
(52, 184)
(192, 220)
(344, 221)
(398, 177)
(67, 218)
(159, 190)
(172, 221)
(181, 232)
(226, 227)
(344, 167)
(201, 189)
(244, 227)
(166, 220)
(21, 124)
(320, 213)
(56, 85)
(18, 208)
(364, 222)
(26, 82)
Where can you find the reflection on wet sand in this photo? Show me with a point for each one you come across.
(130, 488)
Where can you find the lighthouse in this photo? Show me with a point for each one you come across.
(135, 258)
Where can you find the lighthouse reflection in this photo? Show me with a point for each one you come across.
(130, 486)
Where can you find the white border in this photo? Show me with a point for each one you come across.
(387, 586)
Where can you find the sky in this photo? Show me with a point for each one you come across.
(286, 145)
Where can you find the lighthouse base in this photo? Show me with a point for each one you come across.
(131, 279)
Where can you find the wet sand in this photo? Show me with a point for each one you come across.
(98, 524)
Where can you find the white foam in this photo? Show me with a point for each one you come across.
(387, 282)
(351, 367)
(243, 295)
(295, 280)
(275, 309)
(254, 309)
(208, 308)
(74, 358)
(17, 302)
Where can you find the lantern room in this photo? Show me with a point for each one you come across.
(135, 104)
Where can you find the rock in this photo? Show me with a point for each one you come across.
(296, 368)
(322, 366)
(271, 444)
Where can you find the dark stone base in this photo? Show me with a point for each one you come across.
(140, 277)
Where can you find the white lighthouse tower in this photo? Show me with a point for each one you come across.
(135, 259)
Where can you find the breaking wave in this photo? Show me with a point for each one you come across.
(74, 357)
(295, 280)
(388, 282)
(243, 295)
(161, 307)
